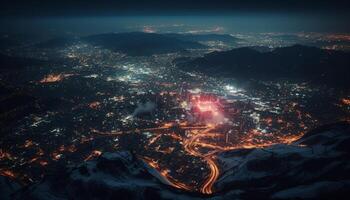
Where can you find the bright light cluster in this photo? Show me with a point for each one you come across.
(207, 106)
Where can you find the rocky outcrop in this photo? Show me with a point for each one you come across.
(316, 166)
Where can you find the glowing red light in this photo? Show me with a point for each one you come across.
(207, 106)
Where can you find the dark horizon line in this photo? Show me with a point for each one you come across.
(178, 7)
(186, 13)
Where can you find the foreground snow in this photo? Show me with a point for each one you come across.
(316, 166)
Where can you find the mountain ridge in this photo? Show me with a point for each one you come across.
(296, 62)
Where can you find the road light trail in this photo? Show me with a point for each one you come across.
(192, 144)
(164, 174)
(207, 187)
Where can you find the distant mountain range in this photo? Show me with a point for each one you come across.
(141, 44)
(58, 42)
(133, 43)
(226, 38)
(18, 39)
(16, 63)
(296, 62)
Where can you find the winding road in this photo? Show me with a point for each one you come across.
(189, 144)
(207, 187)
(192, 145)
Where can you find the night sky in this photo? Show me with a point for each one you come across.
(239, 16)
(120, 7)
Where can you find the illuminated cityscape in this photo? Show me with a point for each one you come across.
(177, 102)
(175, 121)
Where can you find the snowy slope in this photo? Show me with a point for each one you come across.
(315, 167)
